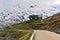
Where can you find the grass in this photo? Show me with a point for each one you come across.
(15, 35)
(25, 25)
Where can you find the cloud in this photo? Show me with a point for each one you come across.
(43, 3)
(24, 7)
(57, 2)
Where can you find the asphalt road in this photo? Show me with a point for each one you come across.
(46, 35)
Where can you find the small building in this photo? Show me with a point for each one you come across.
(35, 17)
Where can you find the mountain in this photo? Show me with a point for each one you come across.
(18, 14)
(50, 23)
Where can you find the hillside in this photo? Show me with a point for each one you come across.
(50, 23)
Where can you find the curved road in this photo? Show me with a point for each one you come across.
(46, 35)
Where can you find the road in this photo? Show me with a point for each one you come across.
(46, 35)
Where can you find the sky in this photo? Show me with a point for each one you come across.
(43, 4)
(40, 6)
(12, 3)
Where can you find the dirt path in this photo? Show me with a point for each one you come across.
(46, 35)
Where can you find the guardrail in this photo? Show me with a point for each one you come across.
(31, 38)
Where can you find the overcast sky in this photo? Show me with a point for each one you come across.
(12, 3)
(40, 6)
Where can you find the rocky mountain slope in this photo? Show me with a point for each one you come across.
(50, 23)
(18, 14)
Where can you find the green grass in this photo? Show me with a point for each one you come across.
(25, 25)
(14, 34)
(28, 37)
